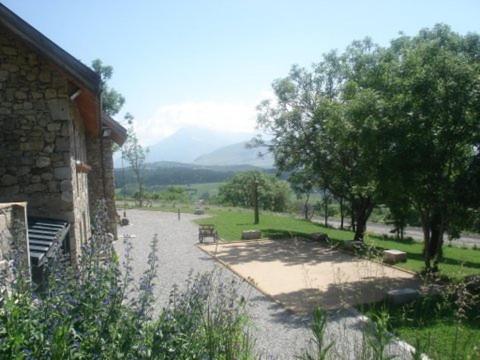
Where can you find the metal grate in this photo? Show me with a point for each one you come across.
(45, 237)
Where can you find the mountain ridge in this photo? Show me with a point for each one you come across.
(237, 153)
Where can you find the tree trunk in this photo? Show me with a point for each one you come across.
(305, 207)
(140, 189)
(362, 210)
(325, 213)
(352, 218)
(433, 231)
(256, 219)
(342, 214)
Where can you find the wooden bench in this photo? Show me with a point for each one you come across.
(207, 230)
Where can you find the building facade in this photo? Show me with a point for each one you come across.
(54, 143)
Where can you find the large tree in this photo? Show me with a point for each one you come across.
(325, 119)
(257, 190)
(135, 154)
(433, 127)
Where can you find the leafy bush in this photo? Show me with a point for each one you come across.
(96, 310)
(273, 194)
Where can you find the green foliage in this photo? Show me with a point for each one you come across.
(112, 101)
(321, 348)
(322, 124)
(395, 125)
(431, 129)
(134, 153)
(273, 194)
(96, 311)
(172, 193)
(433, 326)
(157, 176)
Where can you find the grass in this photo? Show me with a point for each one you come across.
(432, 324)
(230, 223)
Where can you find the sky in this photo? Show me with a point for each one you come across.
(208, 63)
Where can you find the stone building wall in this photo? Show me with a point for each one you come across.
(37, 162)
(110, 185)
(81, 210)
(101, 179)
(13, 243)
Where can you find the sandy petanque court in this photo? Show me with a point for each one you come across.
(302, 274)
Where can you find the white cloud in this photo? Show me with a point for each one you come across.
(224, 116)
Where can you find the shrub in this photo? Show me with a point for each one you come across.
(273, 193)
(96, 310)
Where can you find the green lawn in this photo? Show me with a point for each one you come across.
(457, 262)
(433, 326)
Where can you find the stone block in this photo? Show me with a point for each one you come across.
(353, 245)
(393, 256)
(251, 234)
(62, 144)
(42, 161)
(199, 211)
(47, 176)
(9, 180)
(58, 109)
(53, 126)
(66, 185)
(319, 237)
(63, 173)
(35, 188)
(402, 296)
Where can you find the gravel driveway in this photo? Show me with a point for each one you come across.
(279, 334)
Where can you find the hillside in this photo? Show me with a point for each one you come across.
(235, 154)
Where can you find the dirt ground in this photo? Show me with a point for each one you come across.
(302, 275)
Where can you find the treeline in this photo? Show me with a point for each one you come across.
(181, 174)
(396, 125)
(171, 176)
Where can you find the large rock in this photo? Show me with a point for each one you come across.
(63, 173)
(352, 245)
(473, 285)
(319, 237)
(393, 256)
(402, 296)
(251, 234)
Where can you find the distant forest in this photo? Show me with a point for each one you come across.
(180, 175)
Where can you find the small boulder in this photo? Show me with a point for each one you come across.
(319, 237)
(352, 245)
(199, 211)
(394, 256)
(402, 296)
(251, 234)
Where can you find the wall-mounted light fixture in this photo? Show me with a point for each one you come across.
(106, 132)
(75, 94)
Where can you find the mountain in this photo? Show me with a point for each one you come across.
(235, 154)
(188, 143)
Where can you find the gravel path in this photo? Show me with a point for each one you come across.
(279, 334)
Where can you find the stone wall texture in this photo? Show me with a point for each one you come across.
(13, 243)
(41, 138)
(101, 179)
